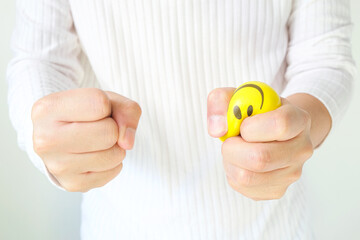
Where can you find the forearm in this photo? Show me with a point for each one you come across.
(320, 117)
(320, 63)
(46, 51)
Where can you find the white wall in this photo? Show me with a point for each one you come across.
(335, 168)
(30, 208)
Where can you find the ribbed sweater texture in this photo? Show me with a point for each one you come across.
(168, 55)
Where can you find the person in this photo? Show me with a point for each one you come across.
(89, 79)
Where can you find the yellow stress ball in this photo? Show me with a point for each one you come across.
(249, 99)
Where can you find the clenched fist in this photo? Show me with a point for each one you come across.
(272, 147)
(82, 135)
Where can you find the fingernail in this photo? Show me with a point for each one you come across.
(130, 137)
(217, 125)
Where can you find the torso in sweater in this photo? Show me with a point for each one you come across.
(168, 55)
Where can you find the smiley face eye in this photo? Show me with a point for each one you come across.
(250, 110)
(237, 112)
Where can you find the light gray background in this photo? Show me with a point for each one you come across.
(31, 208)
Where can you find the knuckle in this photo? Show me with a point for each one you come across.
(101, 102)
(259, 159)
(232, 184)
(282, 123)
(238, 187)
(245, 178)
(41, 107)
(41, 143)
(57, 168)
(228, 147)
(117, 155)
(306, 151)
(295, 176)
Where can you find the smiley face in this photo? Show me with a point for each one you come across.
(249, 99)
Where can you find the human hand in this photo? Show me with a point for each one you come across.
(82, 135)
(271, 151)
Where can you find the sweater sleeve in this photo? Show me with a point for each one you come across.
(46, 60)
(319, 55)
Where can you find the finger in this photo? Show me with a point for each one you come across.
(126, 113)
(246, 178)
(266, 157)
(83, 104)
(82, 137)
(100, 161)
(260, 193)
(217, 106)
(97, 161)
(76, 163)
(281, 124)
(86, 181)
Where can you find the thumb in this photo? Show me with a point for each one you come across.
(126, 114)
(217, 106)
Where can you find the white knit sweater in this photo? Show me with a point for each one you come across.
(167, 55)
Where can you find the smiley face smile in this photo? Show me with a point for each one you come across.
(251, 98)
